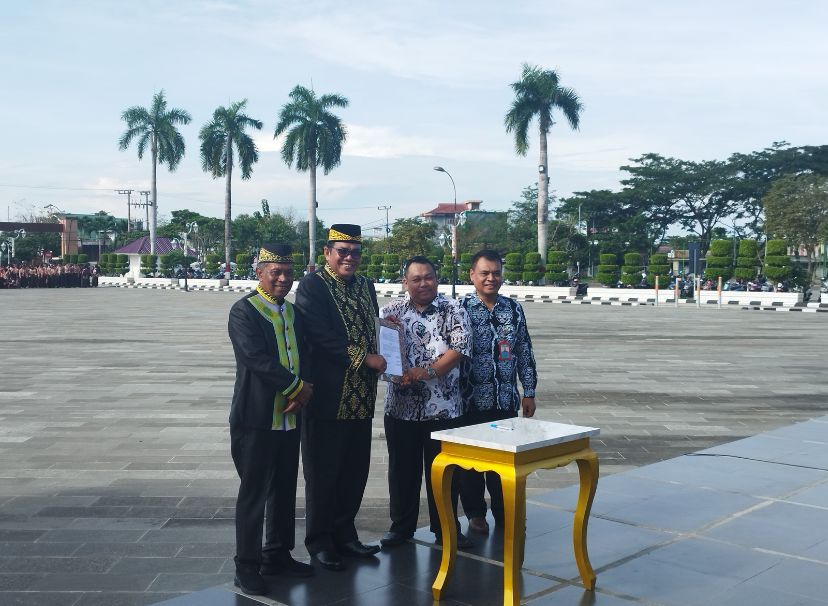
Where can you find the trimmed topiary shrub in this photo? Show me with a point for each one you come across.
(631, 271)
(298, 264)
(103, 263)
(243, 260)
(659, 266)
(556, 267)
(513, 268)
(167, 262)
(121, 265)
(149, 264)
(83, 258)
(391, 267)
(719, 260)
(532, 268)
(212, 263)
(747, 263)
(374, 269)
(777, 261)
(607, 273)
(463, 269)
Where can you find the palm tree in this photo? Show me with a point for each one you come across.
(314, 138)
(219, 137)
(155, 126)
(537, 93)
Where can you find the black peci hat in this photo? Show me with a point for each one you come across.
(345, 232)
(275, 252)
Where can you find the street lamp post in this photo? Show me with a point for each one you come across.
(453, 235)
(191, 227)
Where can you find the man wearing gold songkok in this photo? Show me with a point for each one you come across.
(264, 424)
(339, 310)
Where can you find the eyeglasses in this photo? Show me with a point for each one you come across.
(354, 253)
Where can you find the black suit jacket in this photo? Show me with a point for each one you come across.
(328, 342)
(259, 376)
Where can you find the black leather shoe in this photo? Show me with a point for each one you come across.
(392, 539)
(285, 565)
(250, 583)
(463, 541)
(358, 550)
(330, 560)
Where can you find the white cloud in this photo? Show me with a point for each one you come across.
(383, 142)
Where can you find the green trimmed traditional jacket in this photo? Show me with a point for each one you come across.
(265, 344)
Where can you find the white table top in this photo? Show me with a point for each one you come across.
(515, 435)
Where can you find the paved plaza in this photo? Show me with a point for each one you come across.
(116, 484)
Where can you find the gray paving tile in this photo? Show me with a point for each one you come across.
(188, 581)
(40, 598)
(93, 582)
(48, 564)
(608, 542)
(133, 565)
(784, 527)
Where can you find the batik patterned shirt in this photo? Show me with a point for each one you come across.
(501, 353)
(429, 334)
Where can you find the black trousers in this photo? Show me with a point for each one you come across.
(473, 484)
(336, 456)
(267, 462)
(410, 452)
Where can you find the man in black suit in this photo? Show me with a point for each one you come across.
(264, 433)
(339, 312)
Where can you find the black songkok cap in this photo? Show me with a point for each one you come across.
(276, 252)
(345, 232)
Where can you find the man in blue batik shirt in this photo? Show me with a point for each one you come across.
(501, 354)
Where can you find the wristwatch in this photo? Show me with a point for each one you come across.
(432, 374)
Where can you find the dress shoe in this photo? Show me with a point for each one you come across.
(284, 564)
(358, 550)
(479, 525)
(330, 560)
(463, 541)
(250, 582)
(392, 539)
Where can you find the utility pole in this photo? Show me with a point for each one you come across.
(386, 209)
(146, 204)
(128, 193)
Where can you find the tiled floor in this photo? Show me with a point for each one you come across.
(716, 527)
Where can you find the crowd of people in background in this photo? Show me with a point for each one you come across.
(48, 276)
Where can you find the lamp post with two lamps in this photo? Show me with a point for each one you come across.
(453, 235)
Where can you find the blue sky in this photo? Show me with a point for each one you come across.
(428, 84)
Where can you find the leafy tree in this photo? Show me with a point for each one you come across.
(537, 94)
(410, 237)
(797, 211)
(699, 190)
(314, 138)
(155, 127)
(758, 171)
(522, 217)
(479, 229)
(222, 138)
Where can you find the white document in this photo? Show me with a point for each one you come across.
(389, 348)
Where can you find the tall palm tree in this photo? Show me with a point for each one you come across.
(155, 127)
(314, 138)
(537, 93)
(221, 138)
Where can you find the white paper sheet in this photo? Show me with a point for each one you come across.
(389, 348)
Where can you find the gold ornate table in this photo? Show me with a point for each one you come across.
(514, 448)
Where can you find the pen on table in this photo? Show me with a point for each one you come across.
(501, 427)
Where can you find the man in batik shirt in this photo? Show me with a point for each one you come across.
(339, 313)
(436, 337)
(264, 439)
(501, 354)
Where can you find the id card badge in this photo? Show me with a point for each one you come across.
(504, 350)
